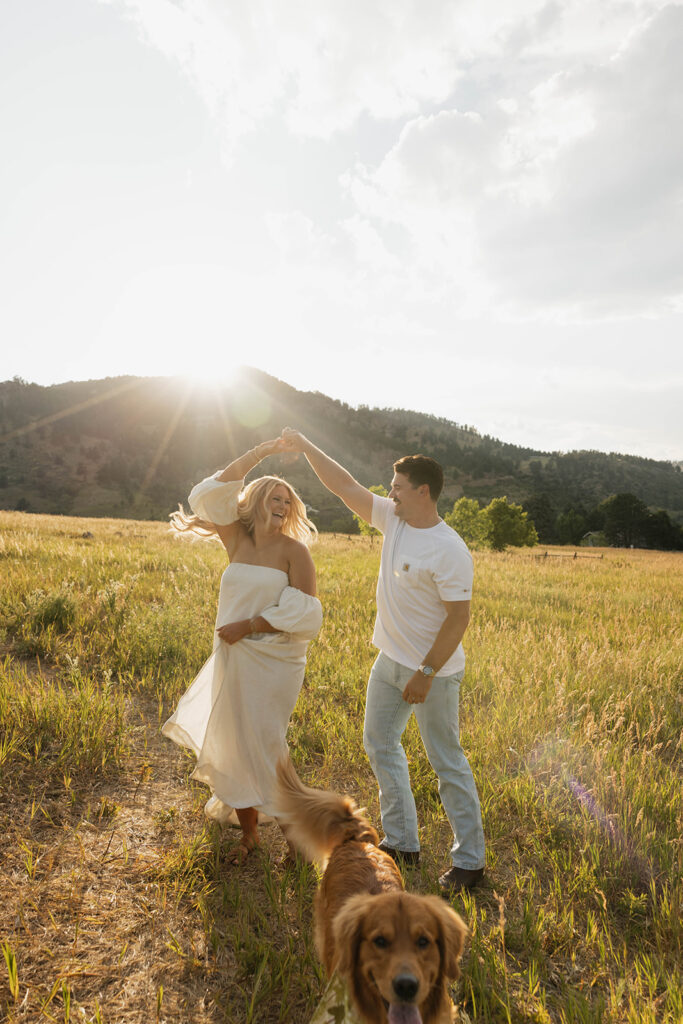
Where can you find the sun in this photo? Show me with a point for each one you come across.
(211, 380)
(234, 392)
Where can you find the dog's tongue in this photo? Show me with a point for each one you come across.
(401, 1013)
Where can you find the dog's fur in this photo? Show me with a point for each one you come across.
(396, 951)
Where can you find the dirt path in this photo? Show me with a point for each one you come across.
(99, 896)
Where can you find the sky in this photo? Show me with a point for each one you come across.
(470, 208)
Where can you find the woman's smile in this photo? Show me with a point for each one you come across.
(279, 503)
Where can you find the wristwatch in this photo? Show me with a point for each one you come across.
(426, 670)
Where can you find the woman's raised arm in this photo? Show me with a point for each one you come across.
(239, 468)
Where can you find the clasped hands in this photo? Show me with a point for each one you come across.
(289, 442)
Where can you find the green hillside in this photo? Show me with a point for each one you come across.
(132, 447)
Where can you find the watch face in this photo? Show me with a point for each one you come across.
(427, 670)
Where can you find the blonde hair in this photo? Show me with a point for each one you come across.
(252, 499)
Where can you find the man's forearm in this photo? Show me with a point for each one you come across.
(445, 644)
(333, 476)
(330, 473)
(447, 639)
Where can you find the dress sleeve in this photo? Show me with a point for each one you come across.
(296, 613)
(215, 501)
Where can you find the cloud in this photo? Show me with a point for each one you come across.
(532, 150)
(318, 65)
(605, 237)
(565, 200)
(321, 65)
(225, 51)
(370, 249)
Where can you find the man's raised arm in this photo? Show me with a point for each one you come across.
(331, 474)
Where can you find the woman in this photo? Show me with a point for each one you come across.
(234, 715)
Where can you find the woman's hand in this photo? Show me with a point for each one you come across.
(232, 632)
(266, 448)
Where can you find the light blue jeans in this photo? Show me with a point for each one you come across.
(386, 716)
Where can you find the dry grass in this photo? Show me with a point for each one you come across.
(119, 902)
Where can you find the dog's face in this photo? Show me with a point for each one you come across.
(397, 952)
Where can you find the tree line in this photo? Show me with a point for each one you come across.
(133, 447)
(622, 520)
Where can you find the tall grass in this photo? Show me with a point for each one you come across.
(119, 901)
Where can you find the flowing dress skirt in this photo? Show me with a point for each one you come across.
(235, 714)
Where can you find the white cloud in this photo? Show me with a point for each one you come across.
(322, 64)
(533, 148)
(370, 249)
(566, 200)
(605, 240)
(298, 239)
(318, 64)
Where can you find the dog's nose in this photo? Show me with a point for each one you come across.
(405, 986)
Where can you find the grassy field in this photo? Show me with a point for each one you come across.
(118, 900)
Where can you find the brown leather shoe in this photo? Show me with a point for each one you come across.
(456, 879)
(410, 857)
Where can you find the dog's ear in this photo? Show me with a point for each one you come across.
(347, 930)
(453, 931)
(348, 936)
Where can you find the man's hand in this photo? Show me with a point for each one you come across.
(231, 632)
(293, 440)
(417, 688)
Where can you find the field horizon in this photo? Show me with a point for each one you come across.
(133, 446)
(120, 904)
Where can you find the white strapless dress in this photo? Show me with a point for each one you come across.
(234, 715)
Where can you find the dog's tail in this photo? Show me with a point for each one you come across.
(315, 820)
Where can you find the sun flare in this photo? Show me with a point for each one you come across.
(213, 381)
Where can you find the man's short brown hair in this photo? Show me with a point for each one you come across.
(421, 469)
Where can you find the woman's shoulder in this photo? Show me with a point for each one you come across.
(297, 553)
(294, 547)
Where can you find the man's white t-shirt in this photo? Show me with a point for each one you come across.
(419, 569)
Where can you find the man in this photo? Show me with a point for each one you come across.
(423, 607)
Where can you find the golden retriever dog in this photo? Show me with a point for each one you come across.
(396, 951)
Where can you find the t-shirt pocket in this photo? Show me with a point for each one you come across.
(411, 572)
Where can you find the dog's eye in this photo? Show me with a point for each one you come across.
(380, 942)
(423, 941)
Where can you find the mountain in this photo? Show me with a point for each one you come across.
(132, 447)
